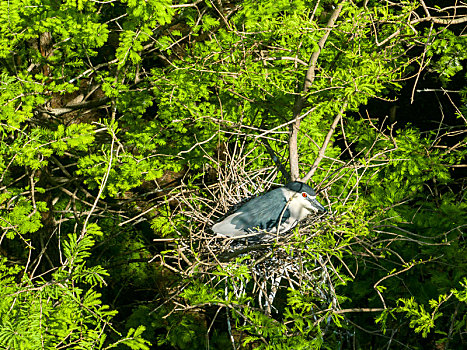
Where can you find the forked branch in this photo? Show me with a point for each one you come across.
(301, 98)
(322, 150)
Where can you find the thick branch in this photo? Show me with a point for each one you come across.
(300, 99)
(56, 112)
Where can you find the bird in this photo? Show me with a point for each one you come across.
(277, 211)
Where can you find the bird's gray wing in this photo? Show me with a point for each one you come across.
(261, 213)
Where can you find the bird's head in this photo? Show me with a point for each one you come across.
(305, 197)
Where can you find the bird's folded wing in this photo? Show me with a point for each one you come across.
(261, 212)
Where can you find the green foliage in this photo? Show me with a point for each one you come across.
(182, 331)
(112, 112)
(421, 320)
(448, 52)
(424, 322)
(23, 219)
(67, 310)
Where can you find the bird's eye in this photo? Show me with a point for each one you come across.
(304, 194)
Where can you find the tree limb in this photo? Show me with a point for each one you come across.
(56, 112)
(300, 99)
(322, 150)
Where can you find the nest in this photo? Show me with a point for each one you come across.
(269, 262)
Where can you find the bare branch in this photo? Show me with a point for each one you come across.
(322, 150)
(56, 112)
(444, 21)
(300, 99)
(286, 58)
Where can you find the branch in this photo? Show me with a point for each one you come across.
(56, 112)
(281, 58)
(276, 160)
(301, 98)
(322, 150)
(448, 20)
(445, 21)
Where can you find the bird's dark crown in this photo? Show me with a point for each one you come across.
(298, 186)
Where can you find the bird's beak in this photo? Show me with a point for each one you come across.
(317, 205)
